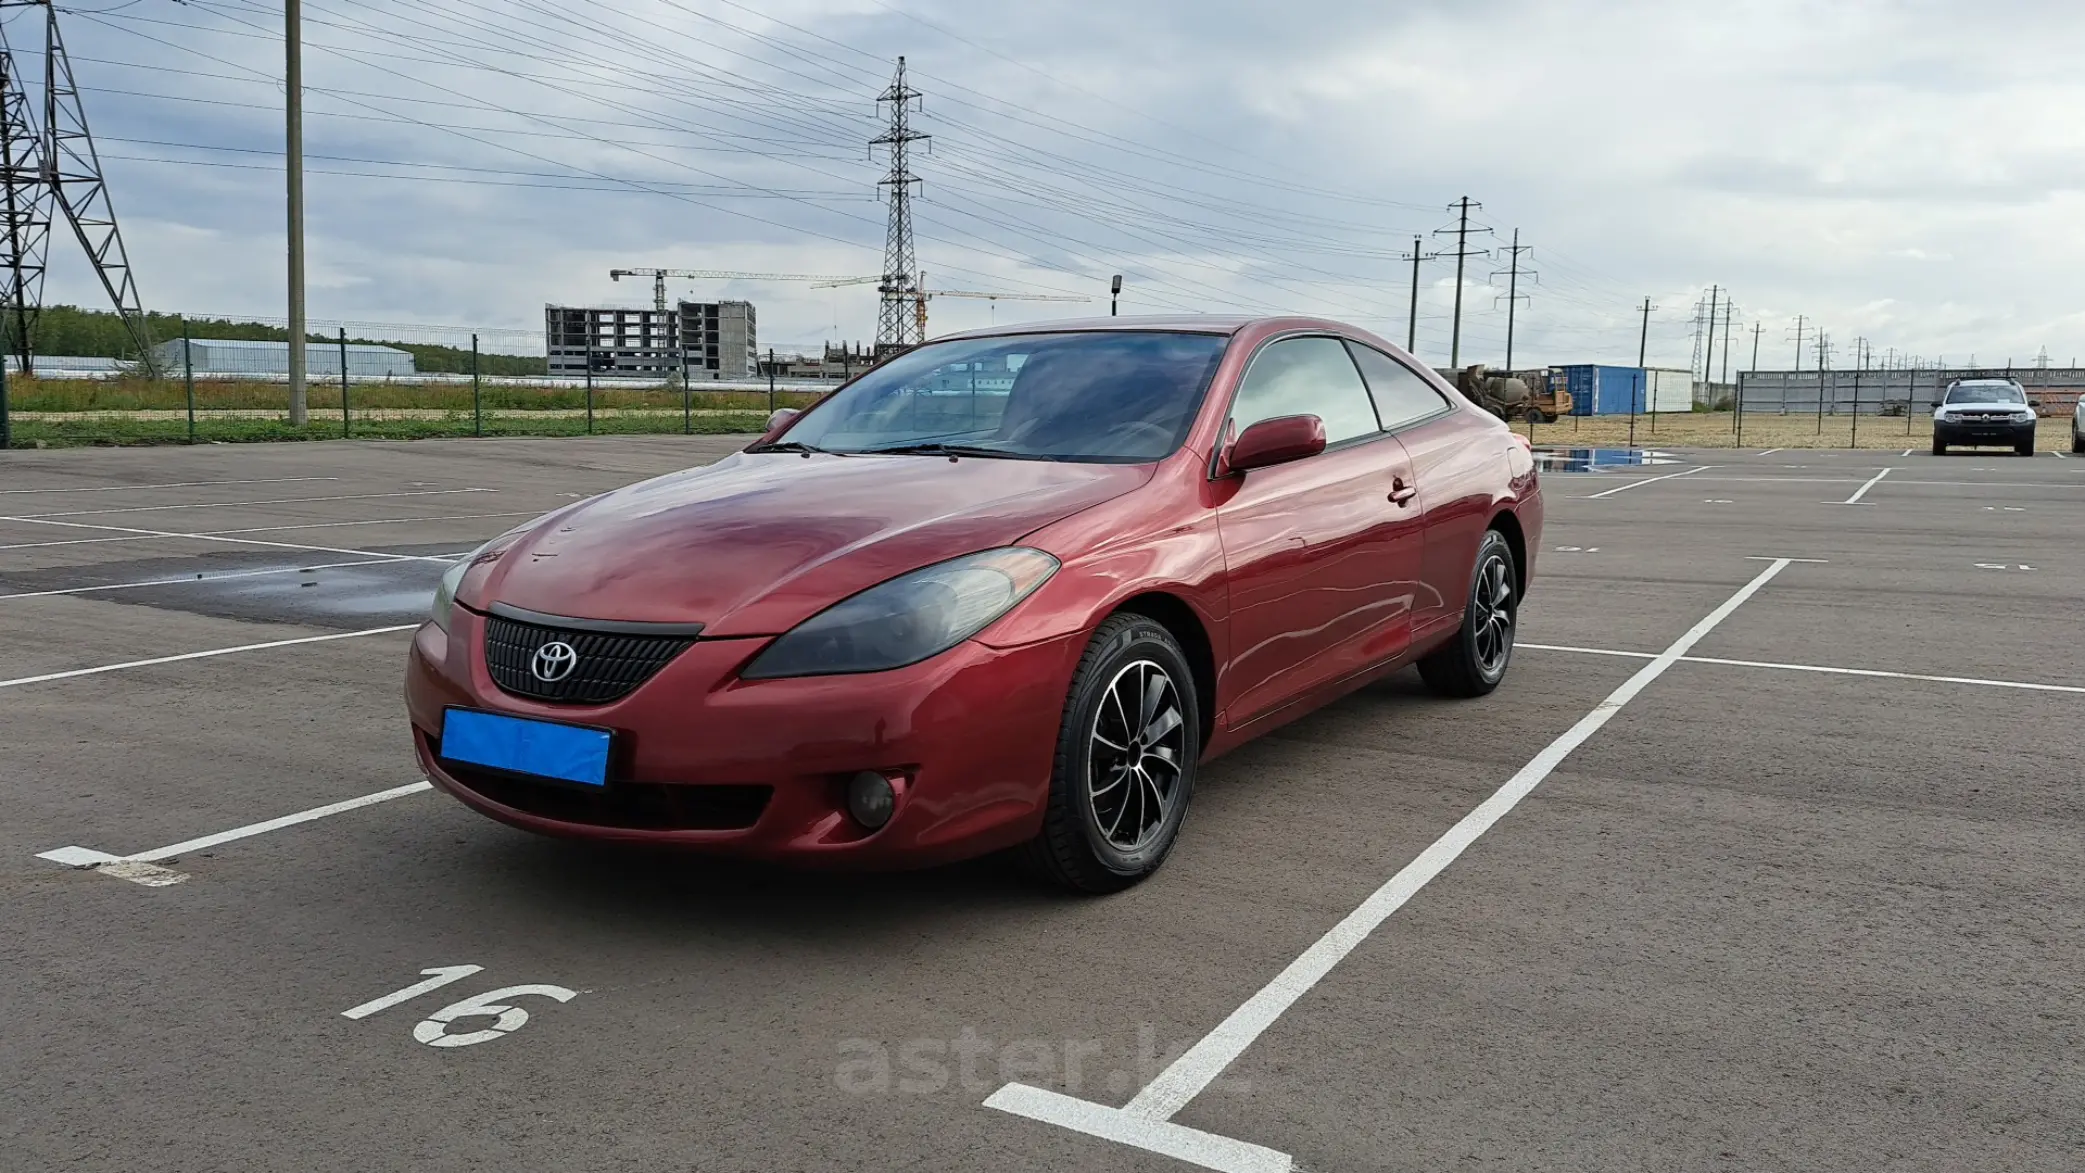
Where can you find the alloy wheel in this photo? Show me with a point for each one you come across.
(1138, 747)
(1494, 617)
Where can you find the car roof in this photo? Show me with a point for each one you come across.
(1175, 323)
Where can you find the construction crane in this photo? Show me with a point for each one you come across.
(659, 277)
(920, 294)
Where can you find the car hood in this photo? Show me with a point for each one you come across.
(755, 544)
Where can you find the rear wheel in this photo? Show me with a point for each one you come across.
(1125, 765)
(1535, 416)
(1473, 663)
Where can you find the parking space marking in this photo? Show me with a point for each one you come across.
(195, 578)
(1646, 481)
(205, 655)
(1145, 1122)
(168, 533)
(1863, 490)
(1771, 451)
(1906, 452)
(101, 861)
(2024, 685)
(167, 485)
(241, 504)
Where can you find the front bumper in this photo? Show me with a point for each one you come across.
(2007, 433)
(757, 768)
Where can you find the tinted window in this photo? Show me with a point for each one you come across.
(1401, 395)
(1104, 397)
(1306, 376)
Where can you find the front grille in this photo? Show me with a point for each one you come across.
(634, 806)
(608, 665)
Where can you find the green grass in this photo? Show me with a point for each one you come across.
(136, 432)
(29, 394)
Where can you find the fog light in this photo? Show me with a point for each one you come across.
(870, 799)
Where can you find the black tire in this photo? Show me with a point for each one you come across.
(2026, 449)
(1535, 416)
(1939, 448)
(1077, 847)
(1473, 663)
(2077, 444)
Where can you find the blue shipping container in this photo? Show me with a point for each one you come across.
(1597, 390)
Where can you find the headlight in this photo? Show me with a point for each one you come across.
(909, 618)
(452, 578)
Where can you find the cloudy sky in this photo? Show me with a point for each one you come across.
(1904, 171)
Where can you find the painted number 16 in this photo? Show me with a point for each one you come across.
(434, 1029)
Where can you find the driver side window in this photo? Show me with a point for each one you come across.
(1306, 376)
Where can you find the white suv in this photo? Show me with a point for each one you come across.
(1978, 412)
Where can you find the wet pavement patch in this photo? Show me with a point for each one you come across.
(1550, 459)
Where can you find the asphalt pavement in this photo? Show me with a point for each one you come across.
(1800, 891)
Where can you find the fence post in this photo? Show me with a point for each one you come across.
(1853, 439)
(477, 394)
(1820, 400)
(343, 384)
(590, 379)
(1635, 390)
(1740, 406)
(1910, 398)
(770, 380)
(188, 376)
(6, 428)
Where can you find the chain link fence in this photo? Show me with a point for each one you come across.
(214, 378)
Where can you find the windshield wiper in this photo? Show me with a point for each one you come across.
(794, 446)
(937, 448)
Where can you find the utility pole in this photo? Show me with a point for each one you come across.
(1824, 346)
(1115, 296)
(899, 321)
(1411, 329)
(293, 152)
(1728, 309)
(1462, 254)
(1708, 362)
(1800, 323)
(1643, 340)
(1757, 329)
(1513, 295)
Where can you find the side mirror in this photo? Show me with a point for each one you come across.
(780, 416)
(1276, 441)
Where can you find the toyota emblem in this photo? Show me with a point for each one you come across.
(554, 661)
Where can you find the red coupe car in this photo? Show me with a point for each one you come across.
(1009, 589)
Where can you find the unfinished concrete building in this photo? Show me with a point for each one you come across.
(709, 340)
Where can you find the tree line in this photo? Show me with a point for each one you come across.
(70, 330)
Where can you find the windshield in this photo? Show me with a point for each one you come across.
(1117, 397)
(1985, 393)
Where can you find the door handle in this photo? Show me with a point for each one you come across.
(1402, 493)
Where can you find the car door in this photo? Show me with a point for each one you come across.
(1453, 474)
(1322, 554)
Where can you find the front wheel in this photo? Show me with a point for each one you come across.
(2077, 444)
(1125, 765)
(2025, 448)
(1473, 663)
(1939, 448)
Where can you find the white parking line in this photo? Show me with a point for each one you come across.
(1979, 681)
(167, 485)
(1145, 1122)
(1647, 481)
(1906, 452)
(189, 579)
(1863, 490)
(239, 504)
(143, 868)
(167, 533)
(1771, 451)
(273, 529)
(278, 643)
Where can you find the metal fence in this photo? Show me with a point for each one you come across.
(217, 378)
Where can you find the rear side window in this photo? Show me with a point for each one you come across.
(1306, 376)
(1400, 394)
